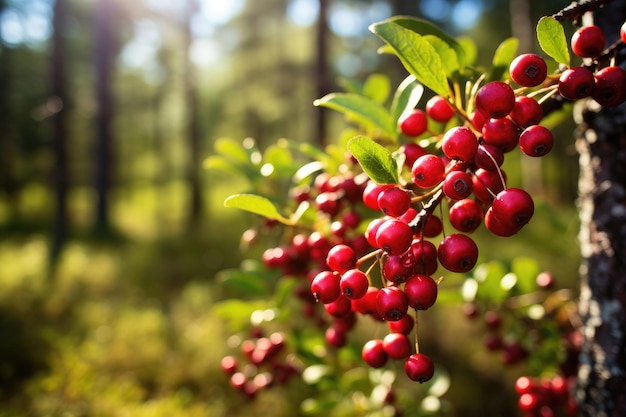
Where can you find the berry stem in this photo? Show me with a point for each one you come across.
(417, 344)
(365, 258)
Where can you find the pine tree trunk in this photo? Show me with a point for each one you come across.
(601, 144)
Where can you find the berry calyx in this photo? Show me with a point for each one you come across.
(528, 70)
(419, 367)
(458, 185)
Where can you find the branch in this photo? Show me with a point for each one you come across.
(577, 8)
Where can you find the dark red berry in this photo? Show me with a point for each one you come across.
(373, 353)
(536, 141)
(335, 337)
(526, 112)
(424, 254)
(412, 151)
(397, 346)
(394, 236)
(466, 215)
(341, 258)
(501, 133)
(325, 287)
(458, 185)
(438, 109)
(395, 270)
(392, 303)
(488, 157)
(354, 284)
(421, 291)
(513, 207)
(394, 201)
(495, 99)
(419, 367)
(528, 70)
(497, 227)
(588, 41)
(428, 171)
(459, 143)
(340, 307)
(414, 123)
(404, 325)
(367, 303)
(576, 83)
(487, 184)
(610, 89)
(457, 253)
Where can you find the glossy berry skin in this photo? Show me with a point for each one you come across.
(392, 303)
(424, 253)
(536, 141)
(372, 229)
(414, 123)
(394, 201)
(488, 157)
(325, 287)
(397, 346)
(528, 70)
(404, 325)
(419, 367)
(371, 193)
(610, 89)
(421, 291)
(458, 185)
(485, 181)
(394, 236)
(354, 284)
(501, 133)
(497, 227)
(428, 171)
(341, 258)
(459, 143)
(588, 41)
(526, 112)
(495, 99)
(341, 307)
(466, 215)
(373, 353)
(335, 337)
(457, 253)
(438, 109)
(395, 270)
(576, 83)
(513, 207)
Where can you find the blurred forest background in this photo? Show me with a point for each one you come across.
(111, 231)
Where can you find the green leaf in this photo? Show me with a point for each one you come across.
(448, 55)
(243, 282)
(504, 55)
(231, 149)
(362, 110)
(256, 204)
(489, 277)
(526, 270)
(552, 40)
(377, 87)
(281, 161)
(417, 55)
(469, 48)
(407, 97)
(424, 28)
(236, 313)
(375, 160)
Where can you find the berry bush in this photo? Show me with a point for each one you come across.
(371, 229)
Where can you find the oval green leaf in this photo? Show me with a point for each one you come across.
(255, 204)
(417, 55)
(406, 98)
(375, 160)
(362, 110)
(552, 40)
(377, 87)
(502, 58)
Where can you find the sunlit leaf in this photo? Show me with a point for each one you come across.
(377, 87)
(552, 40)
(236, 313)
(469, 49)
(245, 283)
(407, 97)
(417, 55)
(502, 58)
(489, 276)
(255, 204)
(448, 55)
(362, 110)
(231, 149)
(375, 160)
(526, 270)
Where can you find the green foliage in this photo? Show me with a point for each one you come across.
(551, 37)
(375, 160)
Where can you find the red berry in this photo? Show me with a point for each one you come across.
(392, 303)
(341, 258)
(466, 215)
(457, 253)
(433, 226)
(354, 284)
(459, 143)
(394, 201)
(513, 207)
(397, 346)
(414, 123)
(428, 171)
(438, 109)
(485, 181)
(372, 229)
(545, 280)
(395, 270)
(367, 303)
(421, 291)
(526, 112)
(536, 141)
(371, 192)
(495, 99)
(419, 367)
(424, 254)
(404, 325)
(528, 70)
(528, 401)
(340, 307)
(498, 228)
(229, 364)
(622, 32)
(325, 287)
(335, 337)
(394, 236)
(576, 83)
(373, 353)
(412, 151)
(458, 185)
(588, 41)
(524, 384)
(488, 157)
(501, 133)
(610, 89)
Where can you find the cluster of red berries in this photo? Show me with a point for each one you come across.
(545, 397)
(262, 363)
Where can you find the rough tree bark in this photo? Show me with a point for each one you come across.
(601, 143)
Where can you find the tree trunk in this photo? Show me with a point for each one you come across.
(59, 129)
(601, 143)
(103, 63)
(192, 125)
